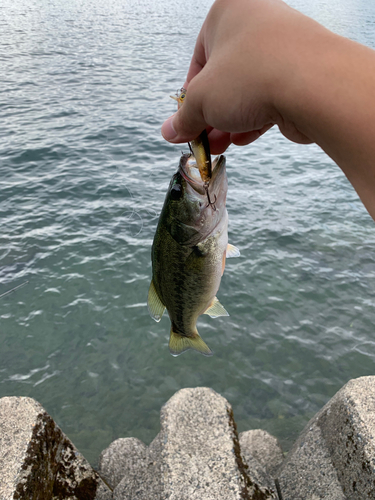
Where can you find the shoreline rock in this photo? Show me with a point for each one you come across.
(334, 457)
(37, 460)
(264, 448)
(196, 455)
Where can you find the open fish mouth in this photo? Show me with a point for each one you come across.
(190, 171)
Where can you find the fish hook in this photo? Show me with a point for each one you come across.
(210, 203)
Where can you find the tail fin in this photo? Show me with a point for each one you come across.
(180, 343)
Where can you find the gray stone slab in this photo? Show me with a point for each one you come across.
(264, 447)
(334, 458)
(37, 461)
(196, 455)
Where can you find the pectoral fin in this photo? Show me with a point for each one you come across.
(155, 306)
(180, 343)
(232, 251)
(216, 309)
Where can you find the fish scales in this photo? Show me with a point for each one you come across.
(188, 276)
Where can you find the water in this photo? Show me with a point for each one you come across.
(85, 87)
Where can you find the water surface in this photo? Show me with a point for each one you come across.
(84, 90)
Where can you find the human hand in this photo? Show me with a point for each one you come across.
(258, 63)
(241, 55)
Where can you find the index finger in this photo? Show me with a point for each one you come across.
(197, 61)
(194, 69)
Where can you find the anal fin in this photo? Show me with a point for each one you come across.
(216, 309)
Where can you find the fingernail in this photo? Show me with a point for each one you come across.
(167, 130)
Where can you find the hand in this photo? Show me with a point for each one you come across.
(233, 78)
(258, 63)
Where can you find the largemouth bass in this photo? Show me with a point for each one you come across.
(188, 253)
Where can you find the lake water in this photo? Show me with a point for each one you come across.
(84, 90)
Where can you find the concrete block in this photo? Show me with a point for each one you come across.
(103, 492)
(308, 472)
(123, 457)
(144, 480)
(37, 461)
(196, 455)
(348, 428)
(334, 458)
(264, 447)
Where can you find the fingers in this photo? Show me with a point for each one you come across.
(194, 69)
(198, 60)
(188, 122)
(182, 127)
(241, 139)
(167, 129)
(219, 141)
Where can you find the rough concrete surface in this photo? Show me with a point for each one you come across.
(37, 461)
(259, 473)
(196, 455)
(264, 447)
(334, 458)
(103, 492)
(123, 457)
(308, 473)
(201, 453)
(144, 481)
(347, 424)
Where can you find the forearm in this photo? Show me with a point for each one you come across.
(331, 100)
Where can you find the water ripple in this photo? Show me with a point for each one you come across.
(84, 172)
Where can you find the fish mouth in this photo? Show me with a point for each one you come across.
(190, 172)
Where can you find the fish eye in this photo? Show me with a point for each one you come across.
(176, 192)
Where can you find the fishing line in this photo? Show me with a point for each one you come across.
(13, 289)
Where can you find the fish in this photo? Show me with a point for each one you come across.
(188, 253)
(200, 147)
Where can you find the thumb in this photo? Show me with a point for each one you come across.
(186, 124)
